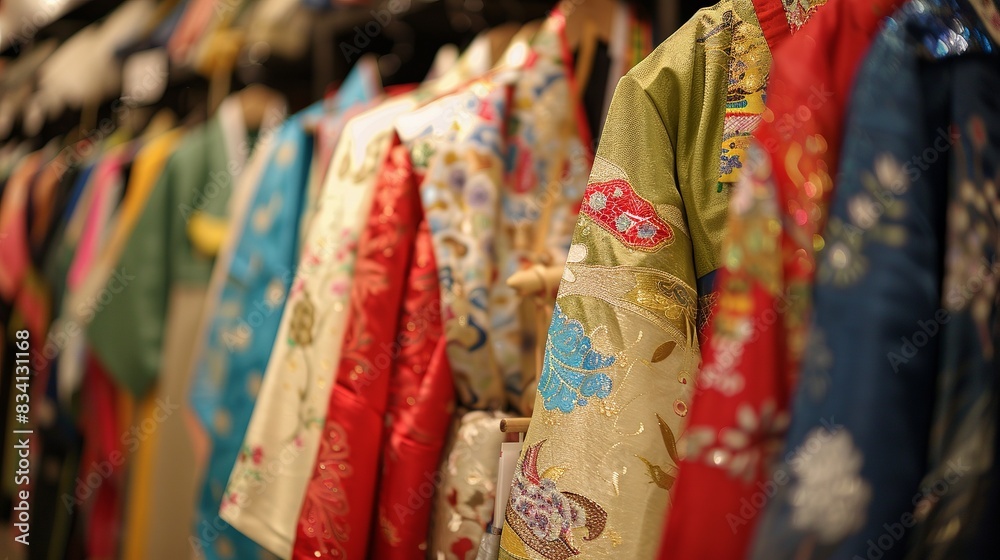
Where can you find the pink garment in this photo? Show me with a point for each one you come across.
(107, 180)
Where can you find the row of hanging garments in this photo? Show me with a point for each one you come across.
(742, 325)
(301, 327)
(803, 367)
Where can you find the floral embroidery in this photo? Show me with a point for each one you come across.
(460, 195)
(573, 370)
(752, 244)
(749, 61)
(331, 518)
(301, 325)
(871, 213)
(666, 298)
(722, 375)
(664, 478)
(616, 207)
(543, 516)
(830, 498)
(740, 449)
(798, 12)
(325, 513)
(611, 201)
(464, 502)
(973, 249)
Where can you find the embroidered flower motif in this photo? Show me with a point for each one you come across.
(301, 324)
(645, 231)
(616, 207)
(891, 175)
(339, 287)
(598, 201)
(816, 365)
(572, 370)
(456, 179)
(722, 375)
(729, 163)
(325, 507)
(973, 249)
(543, 517)
(622, 222)
(830, 498)
(480, 192)
(275, 293)
(739, 448)
(841, 262)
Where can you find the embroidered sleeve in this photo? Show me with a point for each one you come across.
(621, 347)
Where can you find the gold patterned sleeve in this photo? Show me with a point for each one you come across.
(600, 455)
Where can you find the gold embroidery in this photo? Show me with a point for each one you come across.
(659, 297)
(798, 12)
(669, 297)
(749, 62)
(301, 324)
(663, 351)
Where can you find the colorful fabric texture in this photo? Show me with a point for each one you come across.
(339, 501)
(453, 153)
(492, 221)
(256, 277)
(146, 168)
(600, 456)
(285, 428)
(144, 336)
(197, 179)
(886, 409)
(756, 336)
(464, 500)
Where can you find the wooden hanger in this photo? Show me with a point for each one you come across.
(581, 14)
(514, 53)
(160, 123)
(587, 22)
(515, 425)
(256, 100)
(499, 37)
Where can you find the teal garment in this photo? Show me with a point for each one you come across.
(127, 333)
(891, 450)
(242, 332)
